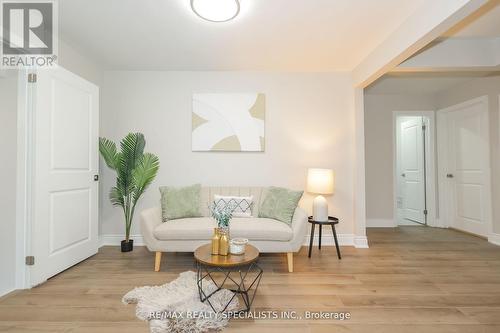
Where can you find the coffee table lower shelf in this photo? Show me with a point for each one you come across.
(237, 276)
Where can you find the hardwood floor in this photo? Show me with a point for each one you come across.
(412, 279)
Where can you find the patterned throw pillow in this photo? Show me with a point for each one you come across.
(280, 204)
(180, 202)
(242, 205)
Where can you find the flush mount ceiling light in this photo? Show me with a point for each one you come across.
(216, 10)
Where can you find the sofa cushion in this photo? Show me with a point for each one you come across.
(241, 206)
(208, 194)
(280, 204)
(260, 229)
(180, 202)
(201, 228)
(186, 229)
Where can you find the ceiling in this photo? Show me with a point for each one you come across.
(306, 35)
(421, 83)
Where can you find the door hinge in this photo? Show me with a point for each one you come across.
(425, 211)
(424, 127)
(32, 77)
(30, 260)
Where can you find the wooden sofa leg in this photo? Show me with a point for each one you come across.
(289, 259)
(157, 261)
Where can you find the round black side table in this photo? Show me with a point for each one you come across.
(332, 221)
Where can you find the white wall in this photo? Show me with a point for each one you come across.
(8, 136)
(489, 86)
(309, 123)
(379, 148)
(79, 63)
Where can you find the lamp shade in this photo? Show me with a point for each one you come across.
(320, 181)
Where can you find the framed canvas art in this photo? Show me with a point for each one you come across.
(228, 122)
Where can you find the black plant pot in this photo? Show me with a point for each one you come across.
(127, 246)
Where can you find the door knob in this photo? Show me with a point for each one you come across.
(96, 178)
(449, 175)
(403, 175)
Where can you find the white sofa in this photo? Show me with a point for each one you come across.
(185, 235)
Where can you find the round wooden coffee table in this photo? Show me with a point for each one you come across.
(233, 269)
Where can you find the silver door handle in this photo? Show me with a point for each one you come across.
(449, 175)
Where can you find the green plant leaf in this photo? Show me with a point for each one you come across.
(132, 150)
(116, 197)
(144, 174)
(132, 147)
(107, 148)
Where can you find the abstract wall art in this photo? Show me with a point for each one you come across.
(228, 122)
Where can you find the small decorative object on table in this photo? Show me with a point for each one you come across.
(222, 213)
(237, 246)
(215, 242)
(223, 242)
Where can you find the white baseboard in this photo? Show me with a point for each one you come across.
(361, 242)
(380, 223)
(326, 240)
(115, 240)
(5, 292)
(494, 239)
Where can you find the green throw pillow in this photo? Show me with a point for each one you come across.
(180, 202)
(280, 204)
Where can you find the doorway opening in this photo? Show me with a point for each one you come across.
(414, 189)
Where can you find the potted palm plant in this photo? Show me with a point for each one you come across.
(135, 171)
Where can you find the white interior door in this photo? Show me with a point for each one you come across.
(413, 169)
(65, 194)
(466, 169)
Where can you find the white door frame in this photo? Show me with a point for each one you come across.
(24, 177)
(494, 237)
(430, 164)
(442, 160)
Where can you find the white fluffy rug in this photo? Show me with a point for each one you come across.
(176, 306)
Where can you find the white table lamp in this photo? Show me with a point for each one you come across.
(320, 181)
